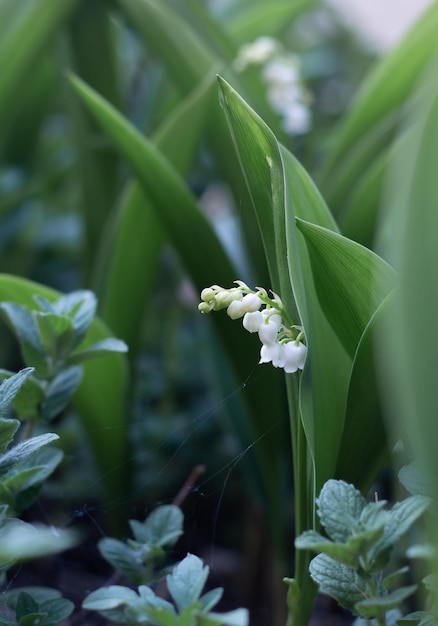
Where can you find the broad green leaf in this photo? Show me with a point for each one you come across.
(364, 425)
(267, 170)
(323, 389)
(339, 504)
(389, 84)
(411, 216)
(279, 187)
(351, 281)
(102, 412)
(187, 581)
(338, 581)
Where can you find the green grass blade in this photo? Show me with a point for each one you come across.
(177, 208)
(351, 281)
(100, 399)
(29, 34)
(409, 371)
(129, 254)
(92, 56)
(186, 56)
(258, 19)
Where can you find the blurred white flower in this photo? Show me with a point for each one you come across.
(281, 72)
(296, 119)
(255, 53)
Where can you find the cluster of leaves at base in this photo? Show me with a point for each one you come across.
(361, 538)
(34, 605)
(49, 336)
(23, 469)
(185, 585)
(141, 559)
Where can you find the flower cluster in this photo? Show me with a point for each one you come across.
(282, 74)
(281, 340)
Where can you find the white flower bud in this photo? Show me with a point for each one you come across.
(208, 294)
(235, 309)
(206, 307)
(225, 297)
(251, 302)
(252, 321)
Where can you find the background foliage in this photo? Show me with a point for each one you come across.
(113, 139)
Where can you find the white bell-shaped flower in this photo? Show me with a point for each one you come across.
(252, 321)
(293, 357)
(270, 354)
(270, 328)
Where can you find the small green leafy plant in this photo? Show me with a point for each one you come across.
(361, 539)
(140, 559)
(184, 584)
(49, 336)
(24, 466)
